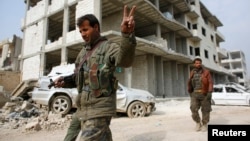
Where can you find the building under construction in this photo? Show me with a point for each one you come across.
(170, 33)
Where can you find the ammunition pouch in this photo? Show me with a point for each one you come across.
(93, 81)
(102, 82)
(80, 79)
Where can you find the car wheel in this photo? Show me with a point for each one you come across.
(61, 105)
(136, 109)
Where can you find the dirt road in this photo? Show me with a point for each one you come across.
(170, 122)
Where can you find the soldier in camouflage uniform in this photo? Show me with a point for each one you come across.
(95, 79)
(200, 87)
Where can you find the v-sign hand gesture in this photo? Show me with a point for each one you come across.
(128, 23)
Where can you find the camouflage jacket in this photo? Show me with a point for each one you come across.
(98, 74)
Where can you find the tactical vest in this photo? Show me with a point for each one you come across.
(96, 75)
(196, 80)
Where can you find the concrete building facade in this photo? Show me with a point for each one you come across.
(10, 50)
(170, 33)
(236, 63)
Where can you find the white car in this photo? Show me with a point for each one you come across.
(230, 94)
(134, 102)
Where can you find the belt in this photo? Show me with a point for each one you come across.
(198, 91)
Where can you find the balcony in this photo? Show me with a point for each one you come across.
(193, 14)
(219, 37)
(241, 80)
(221, 52)
(237, 70)
(195, 36)
(237, 60)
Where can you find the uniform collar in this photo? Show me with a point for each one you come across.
(92, 45)
(198, 70)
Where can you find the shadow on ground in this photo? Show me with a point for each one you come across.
(150, 136)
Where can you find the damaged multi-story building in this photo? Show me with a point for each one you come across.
(236, 63)
(10, 49)
(170, 33)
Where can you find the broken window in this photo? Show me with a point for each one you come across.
(55, 27)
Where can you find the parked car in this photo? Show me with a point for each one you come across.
(230, 94)
(133, 102)
(238, 86)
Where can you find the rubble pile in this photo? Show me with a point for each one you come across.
(28, 116)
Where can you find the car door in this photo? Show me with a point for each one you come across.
(219, 95)
(235, 96)
(121, 97)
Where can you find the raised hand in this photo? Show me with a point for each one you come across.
(128, 23)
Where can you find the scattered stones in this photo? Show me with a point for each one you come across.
(28, 116)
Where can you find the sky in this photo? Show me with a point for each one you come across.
(233, 14)
(11, 13)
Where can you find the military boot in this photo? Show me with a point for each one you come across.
(204, 128)
(198, 126)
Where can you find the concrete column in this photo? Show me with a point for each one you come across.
(4, 54)
(157, 5)
(24, 32)
(151, 83)
(44, 40)
(64, 52)
(171, 10)
(98, 11)
(167, 73)
(158, 27)
(158, 31)
(171, 41)
(181, 80)
(128, 77)
(159, 76)
(185, 77)
(174, 76)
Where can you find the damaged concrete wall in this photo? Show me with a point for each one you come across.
(37, 28)
(10, 75)
(33, 39)
(17, 51)
(31, 67)
(4, 55)
(9, 80)
(10, 50)
(36, 12)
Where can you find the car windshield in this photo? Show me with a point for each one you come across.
(238, 86)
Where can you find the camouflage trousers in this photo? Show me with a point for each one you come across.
(96, 129)
(92, 130)
(203, 102)
(73, 130)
